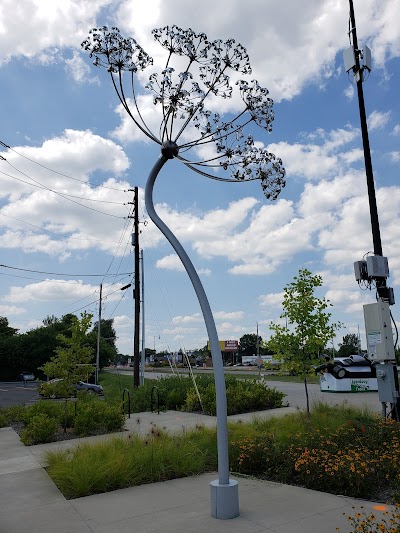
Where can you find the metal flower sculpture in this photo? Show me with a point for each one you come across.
(187, 126)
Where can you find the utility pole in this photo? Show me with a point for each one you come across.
(98, 339)
(375, 270)
(136, 290)
(358, 76)
(143, 354)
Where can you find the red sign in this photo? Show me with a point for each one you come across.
(231, 346)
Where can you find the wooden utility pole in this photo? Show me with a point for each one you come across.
(136, 290)
(98, 339)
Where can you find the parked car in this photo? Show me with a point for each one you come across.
(26, 376)
(54, 389)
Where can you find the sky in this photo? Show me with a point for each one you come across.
(72, 157)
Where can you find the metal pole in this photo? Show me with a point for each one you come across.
(224, 491)
(142, 361)
(376, 236)
(136, 351)
(98, 339)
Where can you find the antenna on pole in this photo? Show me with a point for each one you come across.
(374, 271)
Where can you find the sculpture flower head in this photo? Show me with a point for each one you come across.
(183, 99)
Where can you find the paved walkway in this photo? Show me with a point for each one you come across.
(31, 503)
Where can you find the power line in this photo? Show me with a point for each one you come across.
(53, 232)
(55, 171)
(39, 280)
(64, 274)
(41, 186)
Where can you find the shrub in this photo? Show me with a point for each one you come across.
(41, 428)
(14, 413)
(242, 396)
(192, 403)
(178, 393)
(3, 421)
(95, 416)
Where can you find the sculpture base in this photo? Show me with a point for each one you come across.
(224, 500)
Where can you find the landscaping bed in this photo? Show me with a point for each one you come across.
(178, 393)
(339, 450)
(49, 421)
(55, 420)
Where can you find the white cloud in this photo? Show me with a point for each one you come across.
(123, 321)
(272, 300)
(378, 120)
(395, 156)
(65, 213)
(188, 319)
(316, 161)
(396, 130)
(170, 262)
(128, 131)
(40, 29)
(300, 47)
(79, 70)
(349, 92)
(204, 272)
(55, 290)
(7, 310)
(226, 315)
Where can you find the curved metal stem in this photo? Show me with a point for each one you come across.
(220, 390)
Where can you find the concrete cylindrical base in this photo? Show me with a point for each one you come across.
(224, 500)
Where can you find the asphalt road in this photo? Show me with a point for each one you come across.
(16, 393)
(296, 396)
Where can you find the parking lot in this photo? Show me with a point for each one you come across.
(18, 393)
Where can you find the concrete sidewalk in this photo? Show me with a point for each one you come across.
(31, 503)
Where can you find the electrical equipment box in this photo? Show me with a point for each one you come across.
(360, 270)
(377, 266)
(388, 383)
(387, 294)
(367, 58)
(378, 330)
(349, 58)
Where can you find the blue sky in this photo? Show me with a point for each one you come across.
(61, 112)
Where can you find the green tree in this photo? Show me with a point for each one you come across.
(349, 346)
(248, 344)
(308, 326)
(108, 351)
(5, 329)
(72, 360)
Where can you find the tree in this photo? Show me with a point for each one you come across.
(308, 328)
(248, 344)
(349, 346)
(72, 361)
(108, 351)
(5, 329)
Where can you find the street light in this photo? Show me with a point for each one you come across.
(187, 125)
